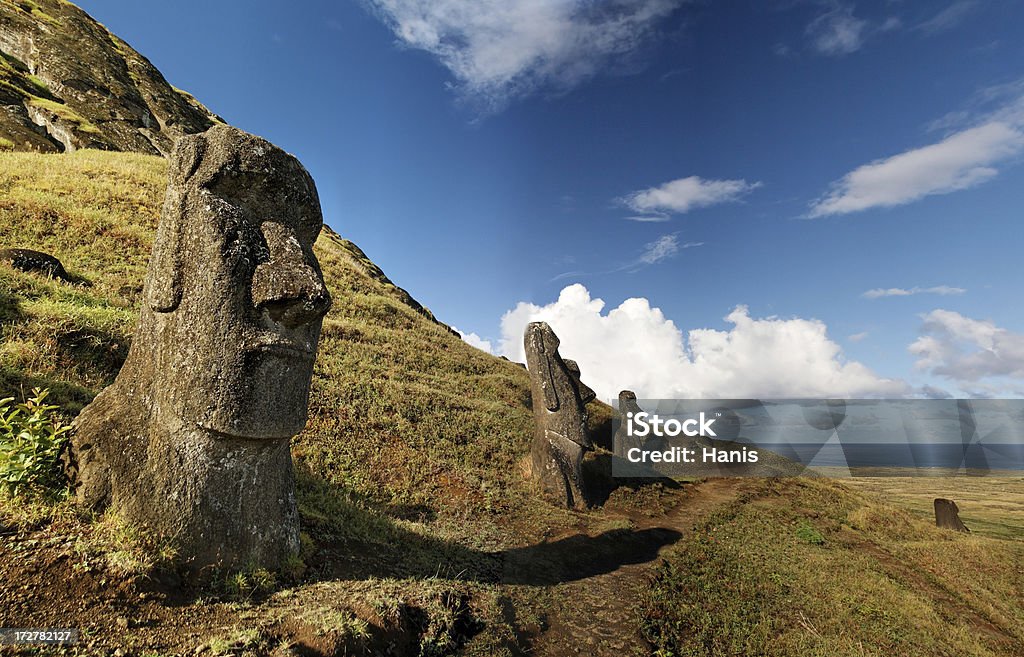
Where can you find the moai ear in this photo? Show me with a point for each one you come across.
(164, 278)
(544, 365)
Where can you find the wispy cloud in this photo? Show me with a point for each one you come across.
(500, 49)
(857, 337)
(967, 350)
(962, 160)
(944, 290)
(684, 194)
(650, 218)
(837, 31)
(660, 249)
(948, 18)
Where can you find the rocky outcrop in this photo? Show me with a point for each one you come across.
(559, 410)
(37, 261)
(67, 83)
(192, 439)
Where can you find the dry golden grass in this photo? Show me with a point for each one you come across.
(989, 506)
(409, 468)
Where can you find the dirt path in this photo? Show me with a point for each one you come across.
(596, 614)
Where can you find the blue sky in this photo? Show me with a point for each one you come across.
(786, 157)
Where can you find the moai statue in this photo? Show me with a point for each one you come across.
(192, 439)
(623, 442)
(559, 401)
(947, 515)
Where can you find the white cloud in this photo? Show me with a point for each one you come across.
(653, 218)
(857, 337)
(960, 161)
(944, 290)
(948, 18)
(475, 340)
(837, 32)
(967, 350)
(498, 49)
(635, 347)
(685, 194)
(664, 247)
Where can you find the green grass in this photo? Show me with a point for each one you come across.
(990, 506)
(409, 474)
(807, 567)
(64, 112)
(428, 422)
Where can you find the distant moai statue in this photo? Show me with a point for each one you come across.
(623, 442)
(947, 515)
(192, 439)
(559, 401)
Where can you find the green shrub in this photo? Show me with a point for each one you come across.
(31, 440)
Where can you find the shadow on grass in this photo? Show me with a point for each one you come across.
(10, 308)
(356, 543)
(71, 398)
(597, 472)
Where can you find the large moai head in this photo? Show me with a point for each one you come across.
(234, 297)
(556, 385)
(192, 439)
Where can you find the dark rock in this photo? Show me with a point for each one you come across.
(35, 261)
(559, 400)
(68, 83)
(192, 439)
(947, 515)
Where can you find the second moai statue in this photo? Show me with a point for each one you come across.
(559, 409)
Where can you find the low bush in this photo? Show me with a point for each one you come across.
(31, 439)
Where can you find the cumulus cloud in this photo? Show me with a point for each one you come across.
(960, 161)
(944, 290)
(634, 346)
(498, 49)
(684, 194)
(967, 350)
(837, 32)
(475, 340)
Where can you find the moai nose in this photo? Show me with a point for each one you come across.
(289, 287)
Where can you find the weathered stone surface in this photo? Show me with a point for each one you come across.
(623, 442)
(559, 400)
(192, 439)
(37, 261)
(947, 515)
(68, 83)
(627, 403)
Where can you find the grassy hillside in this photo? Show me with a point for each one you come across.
(403, 413)
(808, 567)
(421, 534)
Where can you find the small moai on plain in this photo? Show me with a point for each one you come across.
(947, 515)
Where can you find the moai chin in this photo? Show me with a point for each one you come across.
(192, 439)
(559, 401)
